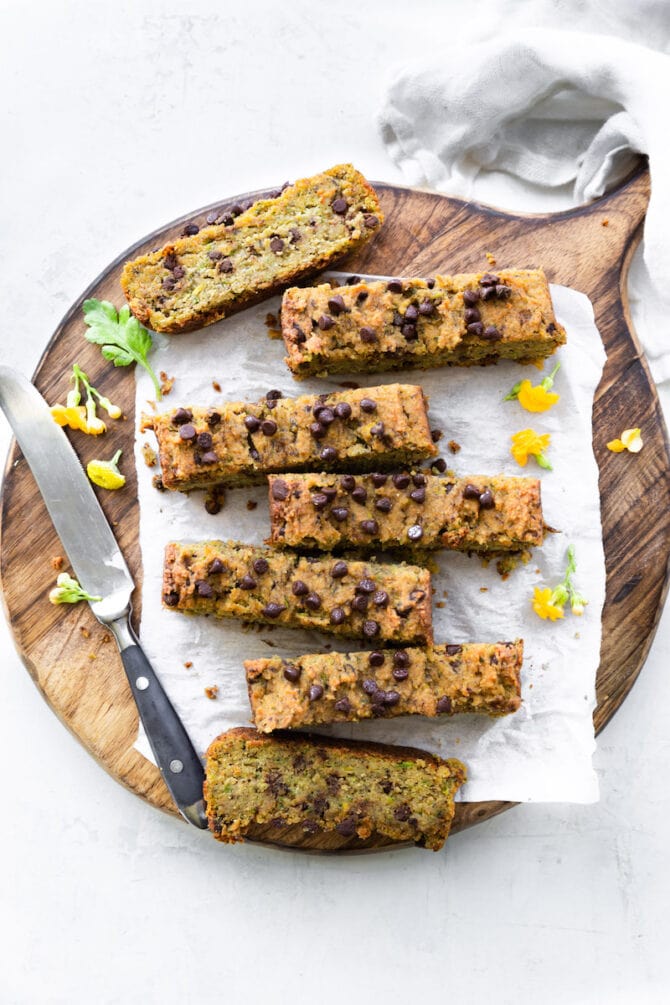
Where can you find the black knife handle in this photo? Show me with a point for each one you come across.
(179, 764)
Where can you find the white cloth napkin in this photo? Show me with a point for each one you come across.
(549, 107)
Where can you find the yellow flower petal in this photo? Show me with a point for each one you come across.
(536, 399)
(616, 446)
(105, 474)
(632, 440)
(543, 606)
(526, 443)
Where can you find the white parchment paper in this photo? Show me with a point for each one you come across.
(544, 751)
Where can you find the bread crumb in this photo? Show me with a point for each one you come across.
(215, 500)
(216, 386)
(212, 692)
(166, 382)
(605, 222)
(85, 632)
(157, 483)
(272, 323)
(106, 639)
(151, 404)
(251, 504)
(92, 656)
(57, 562)
(149, 454)
(454, 446)
(483, 589)
(440, 604)
(188, 664)
(353, 385)
(490, 259)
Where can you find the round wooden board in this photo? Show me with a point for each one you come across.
(72, 659)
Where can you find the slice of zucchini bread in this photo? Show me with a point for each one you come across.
(346, 687)
(417, 510)
(204, 277)
(462, 320)
(356, 599)
(326, 785)
(238, 443)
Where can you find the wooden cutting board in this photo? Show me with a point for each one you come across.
(72, 659)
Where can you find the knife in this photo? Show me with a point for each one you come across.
(102, 571)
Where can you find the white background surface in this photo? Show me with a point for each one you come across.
(116, 117)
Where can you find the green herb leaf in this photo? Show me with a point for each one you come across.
(121, 337)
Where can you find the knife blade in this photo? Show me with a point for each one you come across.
(101, 569)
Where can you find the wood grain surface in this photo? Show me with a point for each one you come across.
(72, 659)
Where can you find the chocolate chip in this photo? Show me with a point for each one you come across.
(384, 505)
(342, 410)
(380, 598)
(369, 526)
(430, 283)
(370, 686)
(476, 328)
(340, 206)
(261, 566)
(471, 492)
(418, 495)
(409, 331)
(216, 566)
(339, 570)
(503, 292)
(313, 601)
(191, 229)
(488, 279)
(348, 483)
(272, 610)
(391, 697)
(401, 658)
(491, 334)
(378, 480)
(295, 235)
(279, 489)
(336, 305)
(328, 455)
(371, 629)
(325, 415)
(376, 658)
(317, 430)
(325, 322)
(486, 500)
(171, 598)
(300, 336)
(439, 464)
(187, 432)
(319, 500)
(210, 457)
(489, 293)
(346, 827)
(204, 440)
(359, 494)
(276, 244)
(394, 286)
(203, 588)
(368, 405)
(212, 505)
(470, 297)
(213, 418)
(377, 429)
(443, 704)
(398, 320)
(292, 672)
(181, 416)
(368, 334)
(168, 283)
(472, 314)
(360, 603)
(453, 650)
(412, 313)
(551, 328)
(337, 616)
(248, 583)
(401, 481)
(339, 513)
(225, 265)
(400, 673)
(415, 532)
(426, 308)
(299, 589)
(370, 221)
(343, 705)
(316, 692)
(252, 423)
(362, 296)
(170, 261)
(419, 479)
(273, 395)
(211, 217)
(402, 812)
(268, 427)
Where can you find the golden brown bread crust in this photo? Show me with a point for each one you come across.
(326, 784)
(461, 320)
(484, 678)
(477, 513)
(239, 442)
(367, 600)
(203, 278)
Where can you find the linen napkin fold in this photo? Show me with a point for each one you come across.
(549, 107)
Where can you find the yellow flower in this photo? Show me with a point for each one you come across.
(536, 399)
(84, 417)
(527, 443)
(106, 473)
(77, 417)
(68, 591)
(544, 605)
(631, 440)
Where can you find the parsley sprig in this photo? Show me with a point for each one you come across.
(120, 336)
